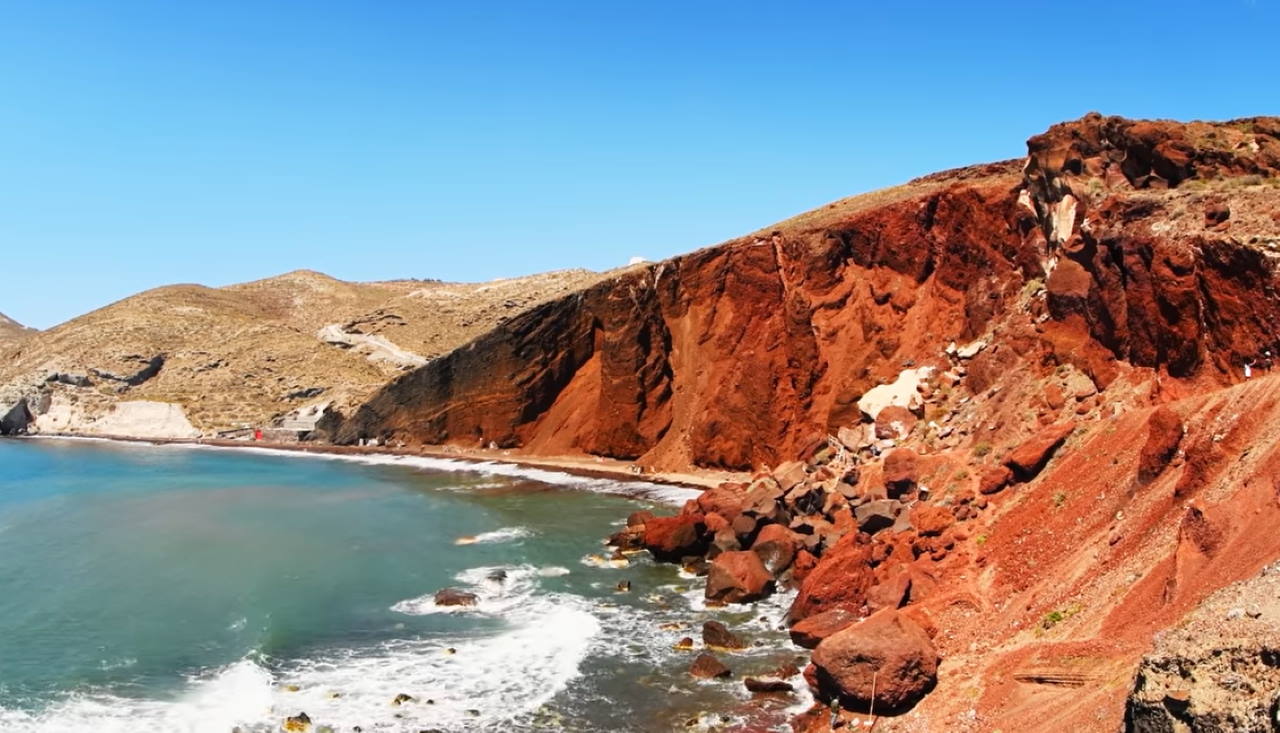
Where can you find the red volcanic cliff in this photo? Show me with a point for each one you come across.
(737, 355)
(733, 355)
(1009, 401)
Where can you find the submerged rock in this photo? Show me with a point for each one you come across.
(715, 635)
(299, 723)
(455, 597)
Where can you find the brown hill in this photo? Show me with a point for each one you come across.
(11, 331)
(245, 355)
(1018, 392)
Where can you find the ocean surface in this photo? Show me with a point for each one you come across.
(181, 588)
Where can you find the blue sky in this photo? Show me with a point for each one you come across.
(146, 143)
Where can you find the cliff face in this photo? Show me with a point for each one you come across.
(1155, 242)
(1167, 234)
(735, 355)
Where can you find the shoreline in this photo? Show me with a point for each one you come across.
(592, 467)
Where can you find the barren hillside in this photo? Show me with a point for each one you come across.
(246, 354)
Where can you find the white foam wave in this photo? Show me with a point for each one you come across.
(506, 534)
(499, 589)
(664, 493)
(608, 563)
(477, 683)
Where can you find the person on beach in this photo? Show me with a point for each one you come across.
(1248, 369)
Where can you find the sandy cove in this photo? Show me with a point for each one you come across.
(587, 467)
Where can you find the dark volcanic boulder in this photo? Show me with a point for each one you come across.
(738, 577)
(888, 653)
(876, 515)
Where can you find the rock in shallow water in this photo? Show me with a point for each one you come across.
(716, 635)
(455, 597)
(708, 667)
(766, 685)
(738, 577)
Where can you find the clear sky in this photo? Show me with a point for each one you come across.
(146, 143)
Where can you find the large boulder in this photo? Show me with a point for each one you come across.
(839, 580)
(639, 519)
(776, 545)
(1029, 458)
(802, 565)
(887, 661)
(669, 539)
(738, 577)
(787, 475)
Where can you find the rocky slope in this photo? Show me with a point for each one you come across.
(1217, 670)
(1017, 394)
(216, 359)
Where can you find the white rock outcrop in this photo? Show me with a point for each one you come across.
(132, 419)
(903, 392)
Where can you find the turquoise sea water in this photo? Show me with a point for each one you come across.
(178, 588)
